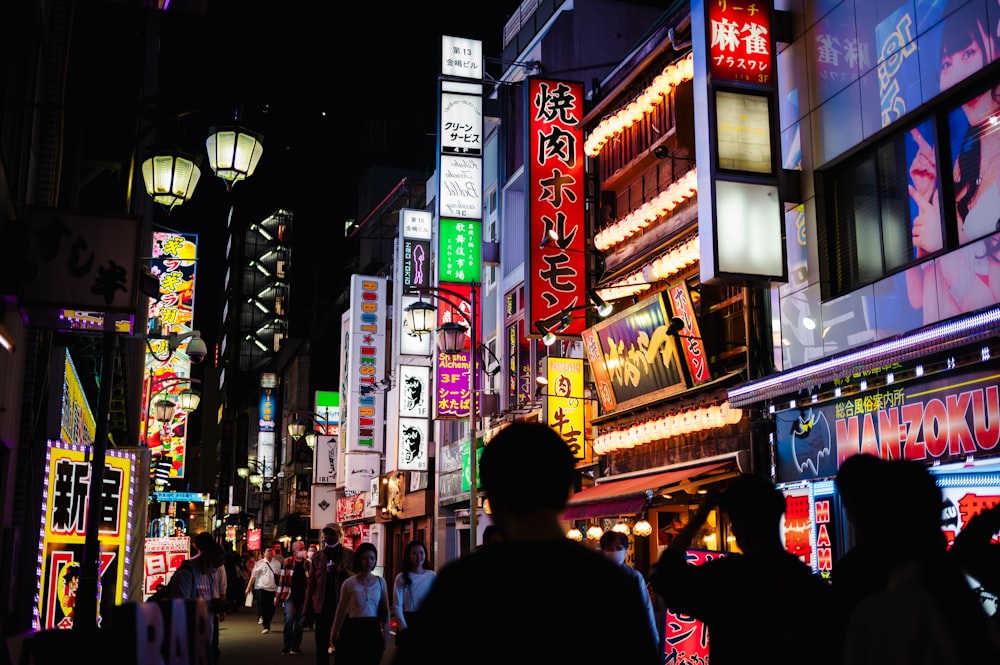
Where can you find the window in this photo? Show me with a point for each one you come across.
(929, 187)
(873, 204)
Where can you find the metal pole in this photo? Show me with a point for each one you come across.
(473, 494)
(85, 613)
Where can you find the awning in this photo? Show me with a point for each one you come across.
(623, 497)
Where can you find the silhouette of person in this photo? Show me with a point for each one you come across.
(761, 603)
(928, 613)
(523, 599)
(978, 556)
(858, 573)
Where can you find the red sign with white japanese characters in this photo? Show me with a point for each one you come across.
(556, 233)
(741, 46)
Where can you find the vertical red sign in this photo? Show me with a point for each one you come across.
(556, 233)
(741, 46)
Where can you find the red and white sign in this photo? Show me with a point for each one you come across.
(741, 46)
(557, 266)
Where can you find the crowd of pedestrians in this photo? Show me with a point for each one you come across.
(899, 596)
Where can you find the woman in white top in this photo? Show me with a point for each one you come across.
(360, 630)
(411, 585)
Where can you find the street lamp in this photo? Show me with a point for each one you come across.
(170, 176)
(164, 409)
(300, 426)
(451, 340)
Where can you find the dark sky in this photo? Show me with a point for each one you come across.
(370, 67)
(334, 88)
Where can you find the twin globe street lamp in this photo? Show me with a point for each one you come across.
(420, 317)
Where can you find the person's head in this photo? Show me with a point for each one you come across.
(331, 534)
(754, 508)
(366, 555)
(614, 545)
(268, 553)
(527, 471)
(310, 551)
(966, 47)
(912, 531)
(210, 553)
(491, 534)
(414, 557)
(857, 482)
(299, 549)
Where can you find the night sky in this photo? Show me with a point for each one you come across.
(334, 88)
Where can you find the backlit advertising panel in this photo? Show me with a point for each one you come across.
(686, 638)
(564, 404)
(633, 358)
(741, 47)
(945, 420)
(692, 346)
(461, 190)
(361, 427)
(453, 393)
(460, 250)
(163, 556)
(267, 410)
(556, 234)
(461, 124)
(77, 423)
(64, 526)
(175, 257)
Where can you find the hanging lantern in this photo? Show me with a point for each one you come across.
(594, 533)
(621, 527)
(233, 154)
(575, 534)
(642, 528)
(170, 178)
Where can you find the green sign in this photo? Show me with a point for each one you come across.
(460, 251)
(465, 463)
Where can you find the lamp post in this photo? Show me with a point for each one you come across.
(163, 410)
(253, 474)
(300, 426)
(451, 341)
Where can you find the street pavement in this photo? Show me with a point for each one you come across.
(241, 643)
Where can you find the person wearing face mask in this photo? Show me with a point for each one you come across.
(295, 573)
(309, 618)
(614, 545)
(332, 565)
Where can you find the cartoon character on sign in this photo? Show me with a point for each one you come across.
(412, 444)
(69, 582)
(811, 440)
(414, 391)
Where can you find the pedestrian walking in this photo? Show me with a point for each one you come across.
(264, 585)
(521, 599)
(331, 567)
(410, 586)
(291, 595)
(360, 632)
(198, 577)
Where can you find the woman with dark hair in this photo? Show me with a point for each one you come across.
(360, 632)
(411, 585)
(965, 276)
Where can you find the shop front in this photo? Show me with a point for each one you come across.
(939, 409)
